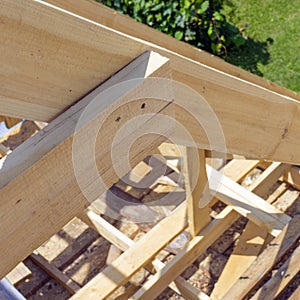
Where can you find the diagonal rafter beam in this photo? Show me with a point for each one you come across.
(39, 190)
(64, 56)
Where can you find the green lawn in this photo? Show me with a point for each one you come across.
(273, 46)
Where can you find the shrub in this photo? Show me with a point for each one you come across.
(198, 22)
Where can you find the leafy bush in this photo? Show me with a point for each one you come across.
(198, 22)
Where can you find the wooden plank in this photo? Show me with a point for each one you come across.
(99, 13)
(113, 235)
(251, 241)
(265, 261)
(293, 177)
(19, 273)
(93, 54)
(37, 178)
(196, 189)
(268, 177)
(156, 284)
(247, 203)
(296, 294)
(284, 275)
(237, 169)
(71, 286)
(245, 252)
(137, 256)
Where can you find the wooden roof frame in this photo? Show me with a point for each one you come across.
(57, 57)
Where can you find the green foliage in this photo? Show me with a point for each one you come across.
(198, 22)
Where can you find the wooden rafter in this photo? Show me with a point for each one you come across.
(89, 53)
(40, 192)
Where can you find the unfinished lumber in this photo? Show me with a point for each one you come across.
(40, 192)
(293, 177)
(245, 252)
(269, 177)
(284, 275)
(158, 282)
(19, 273)
(196, 189)
(247, 203)
(252, 239)
(71, 286)
(265, 261)
(113, 235)
(237, 169)
(137, 256)
(101, 14)
(90, 52)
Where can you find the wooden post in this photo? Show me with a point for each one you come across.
(196, 187)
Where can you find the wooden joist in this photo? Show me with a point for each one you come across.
(64, 56)
(40, 192)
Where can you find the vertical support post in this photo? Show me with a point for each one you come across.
(197, 189)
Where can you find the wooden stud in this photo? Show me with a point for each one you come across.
(252, 240)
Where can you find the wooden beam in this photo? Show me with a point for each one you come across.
(157, 283)
(284, 275)
(247, 203)
(101, 14)
(245, 252)
(114, 236)
(252, 240)
(196, 189)
(269, 177)
(19, 273)
(40, 192)
(71, 286)
(67, 66)
(265, 261)
(137, 256)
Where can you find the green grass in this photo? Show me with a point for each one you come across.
(272, 49)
